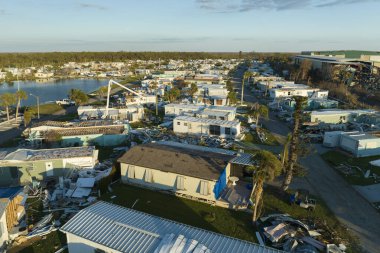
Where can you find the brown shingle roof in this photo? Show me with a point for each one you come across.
(183, 161)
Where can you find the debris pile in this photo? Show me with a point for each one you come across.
(283, 232)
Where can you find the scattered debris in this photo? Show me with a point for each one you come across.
(283, 232)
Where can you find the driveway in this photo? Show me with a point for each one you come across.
(344, 201)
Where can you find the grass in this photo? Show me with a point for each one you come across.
(47, 109)
(276, 201)
(227, 222)
(252, 137)
(66, 117)
(336, 158)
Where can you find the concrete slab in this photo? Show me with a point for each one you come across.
(370, 192)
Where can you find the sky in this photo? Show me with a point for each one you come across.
(189, 25)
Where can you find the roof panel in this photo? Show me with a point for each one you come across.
(138, 230)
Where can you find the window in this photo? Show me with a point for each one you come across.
(189, 126)
(185, 124)
(222, 118)
(214, 130)
(203, 189)
(148, 176)
(227, 130)
(211, 117)
(180, 183)
(178, 123)
(131, 171)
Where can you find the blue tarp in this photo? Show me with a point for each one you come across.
(10, 192)
(221, 184)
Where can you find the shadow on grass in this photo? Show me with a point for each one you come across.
(227, 222)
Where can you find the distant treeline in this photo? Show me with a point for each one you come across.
(59, 58)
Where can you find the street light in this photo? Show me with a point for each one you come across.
(38, 104)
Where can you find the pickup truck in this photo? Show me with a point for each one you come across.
(65, 101)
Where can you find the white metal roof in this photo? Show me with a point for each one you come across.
(48, 154)
(126, 230)
(209, 121)
(338, 111)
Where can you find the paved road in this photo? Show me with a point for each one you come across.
(343, 200)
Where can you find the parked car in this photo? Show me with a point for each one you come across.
(65, 101)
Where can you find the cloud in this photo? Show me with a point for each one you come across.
(225, 6)
(92, 6)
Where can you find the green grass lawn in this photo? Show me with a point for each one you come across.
(336, 158)
(252, 137)
(227, 222)
(47, 109)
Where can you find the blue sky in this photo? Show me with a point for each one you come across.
(188, 25)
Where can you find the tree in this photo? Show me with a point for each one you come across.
(78, 96)
(246, 75)
(294, 142)
(193, 90)
(258, 111)
(52, 137)
(232, 97)
(28, 115)
(229, 85)
(20, 95)
(6, 100)
(172, 95)
(268, 167)
(102, 91)
(285, 151)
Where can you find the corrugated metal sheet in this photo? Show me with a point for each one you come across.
(127, 230)
(243, 159)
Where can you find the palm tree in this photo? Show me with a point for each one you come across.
(285, 151)
(6, 100)
(258, 111)
(294, 142)
(268, 167)
(246, 75)
(20, 95)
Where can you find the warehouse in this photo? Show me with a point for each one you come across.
(202, 126)
(105, 227)
(22, 166)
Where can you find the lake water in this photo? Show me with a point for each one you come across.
(51, 90)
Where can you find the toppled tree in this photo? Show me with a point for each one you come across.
(268, 167)
(294, 142)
